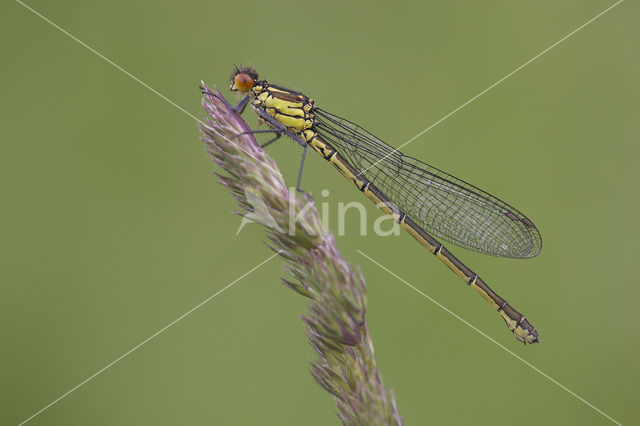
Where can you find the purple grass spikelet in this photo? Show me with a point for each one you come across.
(335, 322)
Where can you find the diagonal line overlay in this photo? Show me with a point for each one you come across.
(128, 74)
(518, 357)
(91, 377)
(396, 150)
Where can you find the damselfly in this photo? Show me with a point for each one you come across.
(424, 200)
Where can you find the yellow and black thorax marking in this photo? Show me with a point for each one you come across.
(294, 111)
(291, 109)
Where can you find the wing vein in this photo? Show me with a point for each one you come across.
(447, 207)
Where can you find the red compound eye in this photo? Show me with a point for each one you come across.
(242, 82)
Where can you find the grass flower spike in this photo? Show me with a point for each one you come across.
(335, 323)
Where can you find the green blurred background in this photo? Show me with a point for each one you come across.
(112, 224)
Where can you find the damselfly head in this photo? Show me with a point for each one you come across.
(242, 79)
